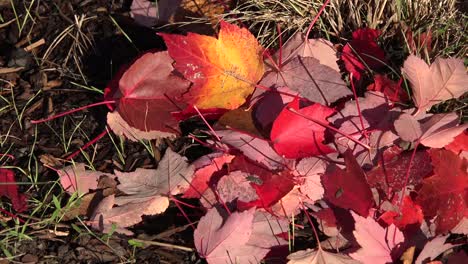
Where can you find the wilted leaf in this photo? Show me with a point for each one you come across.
(224, 71)
(294, 136)
(444, 79)
(376, 242)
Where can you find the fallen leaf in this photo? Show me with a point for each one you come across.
(434, 248)
(254, 148)
(9, 189)
(390, 88)
(236, 185)
(348, 188)
(224, 71)
(312, 80)
(363, 52)
(240, 119)
(205, 168)
(411, 214)
(444, 79)
(144, 12)
(145, 100)
(76, 178)
(224, 239)
(309, 171)
(319, 256)
(376, 242)
(443, 195)
(459, 145)
(320, 49)
(294, 136)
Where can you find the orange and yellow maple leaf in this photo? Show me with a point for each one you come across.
(224, 71)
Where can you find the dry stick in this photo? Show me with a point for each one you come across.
(35, 45)
(161, 244)
(316, 18)
(329, 127)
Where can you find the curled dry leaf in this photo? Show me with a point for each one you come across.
(224, 71)
(444, 79)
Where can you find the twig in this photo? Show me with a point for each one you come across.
(161, 244)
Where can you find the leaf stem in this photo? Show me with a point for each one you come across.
(316, 18)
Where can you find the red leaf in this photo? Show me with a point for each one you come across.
(348, 189)
(9, 189)
(411, 214)
(295, 137)
(459, 145)
(206, 166)
(145, 100)
(444, 194)
(390, 174)
(391, 89)
(363, 48)
(270, 187)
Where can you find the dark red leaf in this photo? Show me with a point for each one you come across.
(361, 51)
(9, 189)
(390, 88)
(348, 188)
(411, 214)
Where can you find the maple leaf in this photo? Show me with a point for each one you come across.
(205, 168)
(390, 88)
(376, 242)
(459, 145)
(319, 256)
(411, 214)
(294, 136)
(443, 195)
(434, 248)
(444, 79)
(309, 171)
(435, 131)
(76, 178)
(170, 178)
(320, 49)
(314, 81)
(362, 52)
(105, 217)
(224, 71)
(236, 185)
(225, 240)
(9, 189)
(390, 174)
(348, 188)
(254, 148)
(145, 100)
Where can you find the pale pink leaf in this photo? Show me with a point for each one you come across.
(224, 240)
(441, 129)
(376, 242)
(170, 178)
(76, 178)
(444, 79)
(461, 228)
(319, 256)
(236, 185)
(434, 248)
(408, 128)
(309, 170)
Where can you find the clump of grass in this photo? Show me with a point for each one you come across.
(443, 18)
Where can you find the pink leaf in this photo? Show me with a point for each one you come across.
(434, 248)
(225, 240)
(376, 242)
(9, 189)
(444, 79)
(319, 256)
(77, 179)
(309, 171)
(236, 185)
(294, 136)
